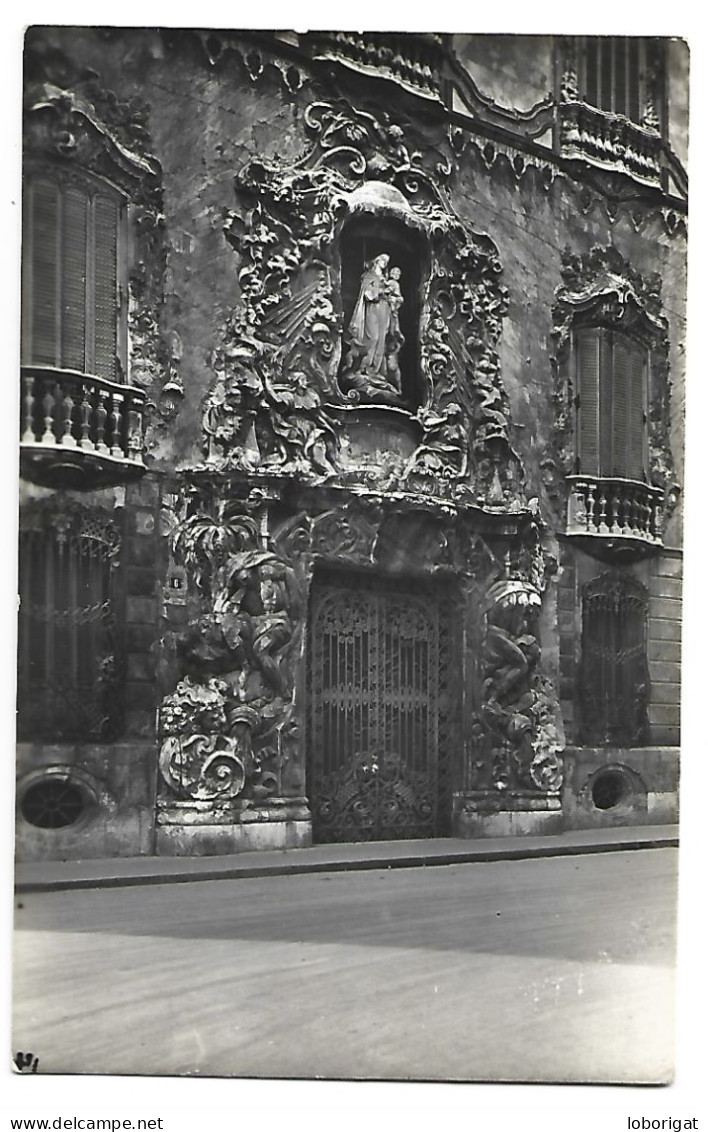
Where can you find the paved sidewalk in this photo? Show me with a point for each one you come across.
(40, 876)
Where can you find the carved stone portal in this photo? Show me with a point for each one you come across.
(233, 729)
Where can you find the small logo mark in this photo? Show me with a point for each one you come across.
(26, 1062)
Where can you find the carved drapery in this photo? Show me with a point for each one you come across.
(270, 407)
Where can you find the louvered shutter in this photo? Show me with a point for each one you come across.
(43, 290)
(637, 412)
(71, 281)
(587, 348)
(606, 400)
(73, 277)
(621, 400)
(105, 295)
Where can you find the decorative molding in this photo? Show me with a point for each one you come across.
(601, 287)
(269, 410)
(71, 122)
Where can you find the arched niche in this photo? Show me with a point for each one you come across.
(380, 222)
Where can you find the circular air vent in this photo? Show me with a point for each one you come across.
(53, 803)
(610, 788)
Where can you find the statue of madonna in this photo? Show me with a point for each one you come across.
(373, 335)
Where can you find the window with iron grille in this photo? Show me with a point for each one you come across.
(614, 671)
(611, 383)
(74, 267)
(618, 74)
(69, 673)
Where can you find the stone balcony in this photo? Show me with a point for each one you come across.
(617, 518)
(78, 431)
(413, 61)
(610, 141)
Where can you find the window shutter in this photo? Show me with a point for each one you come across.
(634, 108)
(73, 276)
(587, 346)
(606, 399)
(619, 102)
(606, 72)
(44, 232)
(621, 375)
(70, 305)
(105, 286)
(637, 411)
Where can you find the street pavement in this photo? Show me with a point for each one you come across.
(556, 969)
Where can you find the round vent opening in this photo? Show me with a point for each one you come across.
(53, 803)
(609, 789)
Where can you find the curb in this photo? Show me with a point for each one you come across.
(478, 855)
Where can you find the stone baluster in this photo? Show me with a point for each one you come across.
(626, 498)
(28, 436)
(66, 436)
(48, 404)
(615, 528)
(602, 527)
(85, 416)
(116, 421)
(635, 513)
(590, 506)
(101, 417)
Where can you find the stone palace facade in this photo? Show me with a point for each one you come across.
(351, 415)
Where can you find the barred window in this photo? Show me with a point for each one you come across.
(74, 275)
(69, 668)
(614, 680)
(611, 382)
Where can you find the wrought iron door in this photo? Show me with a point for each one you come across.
(379, 710)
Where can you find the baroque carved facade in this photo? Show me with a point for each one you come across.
(351, 442)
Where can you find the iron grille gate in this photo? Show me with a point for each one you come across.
(379, 708)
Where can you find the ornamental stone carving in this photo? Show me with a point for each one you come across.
(294, 354)
(602, 288)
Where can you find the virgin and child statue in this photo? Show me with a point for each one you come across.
(371, 368)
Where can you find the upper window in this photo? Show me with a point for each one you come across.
(74, 275)
(613, 74)
(611, 400)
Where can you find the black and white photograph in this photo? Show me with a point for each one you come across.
(350, 555)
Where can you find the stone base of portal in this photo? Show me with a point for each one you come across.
(485, 814)
(206, 829)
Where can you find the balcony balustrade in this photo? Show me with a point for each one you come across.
(79, 431)
(611, 141)
(625, 514)
(414, 61)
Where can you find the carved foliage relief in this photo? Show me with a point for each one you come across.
(281, 363)
(231, 728)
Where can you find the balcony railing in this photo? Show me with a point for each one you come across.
(79, 431)
(414, 61)
(611, 141)
(619, 511)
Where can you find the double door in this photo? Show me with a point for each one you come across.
(379, 709)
